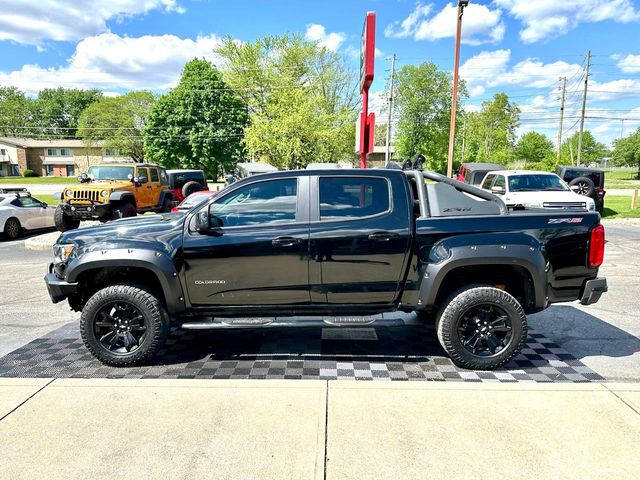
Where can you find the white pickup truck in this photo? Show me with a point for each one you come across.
(527, 189)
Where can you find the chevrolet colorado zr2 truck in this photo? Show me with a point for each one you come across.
(339, 245)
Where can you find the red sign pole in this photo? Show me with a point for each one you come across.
(367, 57)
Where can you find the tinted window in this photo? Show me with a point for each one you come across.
(570, 175)
(179, 179)
(268, 202)
(26, 202)
(342, 198)
(487, 181)
(154, 174)
(499, 181)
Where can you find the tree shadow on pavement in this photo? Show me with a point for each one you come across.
(582, 334)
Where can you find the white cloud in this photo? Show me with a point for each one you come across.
(546, 19)
(116, 63)
(318, 33)
(491, 69)
(629, 63)
(481, 24)
(35, 21)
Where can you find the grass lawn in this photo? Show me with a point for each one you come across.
(619, 206)
(47, 199)
(36, 180)
(621, 179)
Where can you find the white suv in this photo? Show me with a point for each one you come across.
(530, 189)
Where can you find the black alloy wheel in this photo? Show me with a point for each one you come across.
(120, 327)
(12, 228)
(485, 330)
(583, 188)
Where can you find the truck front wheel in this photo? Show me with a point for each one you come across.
(124, 210)
(124, 325)
(482, 328)
(64, 222)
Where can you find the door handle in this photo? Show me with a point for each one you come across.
(382, 236)
(285, 242)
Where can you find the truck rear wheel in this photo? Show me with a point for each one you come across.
(124, 325)
(482, 328)
(64, 222)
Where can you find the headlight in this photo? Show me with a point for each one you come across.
(68, 193)
(592, 207)
(104, 193)
(532, 205)
(63, 252)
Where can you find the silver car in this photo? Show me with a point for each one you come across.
(20, 211)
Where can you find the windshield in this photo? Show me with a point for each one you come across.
(535, 183)
(103, 172)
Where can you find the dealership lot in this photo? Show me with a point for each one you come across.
(568, 343)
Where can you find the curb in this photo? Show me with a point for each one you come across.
(41, 242)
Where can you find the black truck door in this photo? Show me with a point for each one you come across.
(260, 255)
(360, 234)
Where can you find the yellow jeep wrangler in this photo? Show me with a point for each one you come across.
(114, 190)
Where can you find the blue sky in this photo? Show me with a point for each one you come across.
(521, 47)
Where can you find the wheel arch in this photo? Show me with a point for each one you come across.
(98, 269)
(123, 197)
(516, 264)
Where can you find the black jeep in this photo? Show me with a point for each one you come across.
(585, 181)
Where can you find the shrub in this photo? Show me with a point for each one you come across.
(29, 173)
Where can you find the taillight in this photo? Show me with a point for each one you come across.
(596, 246)
(601, 192)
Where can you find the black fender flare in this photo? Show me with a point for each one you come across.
(163, 195)
(158, 263)
(121, 196)
(511, 249)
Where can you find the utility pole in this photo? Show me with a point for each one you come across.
(454, 95)
(562, 98)
(393, 72)
(584, 106)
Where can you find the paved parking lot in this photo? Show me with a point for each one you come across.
(569, 342)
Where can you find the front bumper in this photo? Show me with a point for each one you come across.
(593, 290)
(87, 212)
(58, 288)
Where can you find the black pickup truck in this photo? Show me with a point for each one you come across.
(341, 245)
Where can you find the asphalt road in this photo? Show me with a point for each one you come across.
(604, 336)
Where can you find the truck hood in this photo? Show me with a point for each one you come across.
(161, 232)
(543, 197)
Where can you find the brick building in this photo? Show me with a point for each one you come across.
(48, 158)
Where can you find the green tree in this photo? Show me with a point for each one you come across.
(301, 99)
(198, 124)
(492, 131)
(17, 113)
(117, 123)
(423, 105)
(592, 150)
(58, 110)
(534, 148)
(626, 151)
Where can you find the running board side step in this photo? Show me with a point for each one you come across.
(209, 323)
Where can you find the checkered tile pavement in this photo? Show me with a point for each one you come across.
(406, 352)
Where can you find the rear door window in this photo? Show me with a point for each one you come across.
(154, 175)
(356, 197)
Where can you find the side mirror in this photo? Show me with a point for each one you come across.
(498, 190)
(208, 224)
(45, 205)
(139, 180)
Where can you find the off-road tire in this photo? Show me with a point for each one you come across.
(12, 228)
(451, 316)
(64, 222)
(156, 320)
(586, 186)
(191, 187)
(124, 210)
